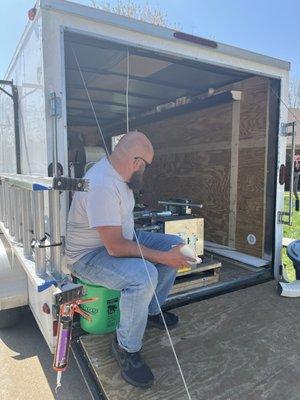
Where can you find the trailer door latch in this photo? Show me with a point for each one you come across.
(288, 129)
(281, 220)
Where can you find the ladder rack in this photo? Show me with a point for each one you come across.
(22, 215)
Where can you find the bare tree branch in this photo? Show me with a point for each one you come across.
(131, 9)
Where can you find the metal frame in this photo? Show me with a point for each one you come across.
(100, 102)
(197, 104)
(272, 160)
(38, 183)
(39, 232)
(81, 122)
(91, 381)
(217, 289)
(15, 187)
(121, 92)
(150, 81)
(285, 132)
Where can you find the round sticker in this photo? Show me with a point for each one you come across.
(251, 239)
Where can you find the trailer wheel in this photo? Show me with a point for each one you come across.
(10, 317)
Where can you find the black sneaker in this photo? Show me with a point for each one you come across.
(133, 369)
(156, 321)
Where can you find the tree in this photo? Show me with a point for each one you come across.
(294, 93)
(131, 9)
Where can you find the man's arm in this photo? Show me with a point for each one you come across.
(118, 246)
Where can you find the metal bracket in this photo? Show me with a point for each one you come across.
(55, 106)
(36, 183)
(280, 218)
(9, 83)
(288, 129)
(69, 292)
(73, 184)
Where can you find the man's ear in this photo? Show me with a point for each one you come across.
(136, 164)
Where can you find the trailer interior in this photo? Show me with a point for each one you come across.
(214, 134)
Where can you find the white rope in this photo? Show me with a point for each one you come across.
(136, 238)
(164, 321)
(127, 93)
(91, 103)
(286, 106)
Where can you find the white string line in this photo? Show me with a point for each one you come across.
(91, 103)
(127, 92)
(163, 318)
(286, 106)
(136, 238)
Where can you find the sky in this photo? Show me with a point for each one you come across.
(269, 27)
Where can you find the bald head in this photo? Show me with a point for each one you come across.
(134, 144)
(131, 156)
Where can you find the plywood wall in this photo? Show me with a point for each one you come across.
(252, 165)
(194, 164)
(194, 159)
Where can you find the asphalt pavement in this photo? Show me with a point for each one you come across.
(26, 367)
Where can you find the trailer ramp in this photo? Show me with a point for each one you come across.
(242, 345)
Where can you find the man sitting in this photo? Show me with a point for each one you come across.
(102, 248)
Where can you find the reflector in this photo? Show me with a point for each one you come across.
(32, 13)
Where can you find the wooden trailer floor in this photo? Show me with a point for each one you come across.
(242, 345)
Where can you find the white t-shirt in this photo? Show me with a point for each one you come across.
(109, 202)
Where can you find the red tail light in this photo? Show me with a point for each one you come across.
(32, 13)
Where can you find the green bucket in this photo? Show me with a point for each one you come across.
(104, 311)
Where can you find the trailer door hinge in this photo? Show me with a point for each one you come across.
(281, 220)
(288, 129)
(55, 105)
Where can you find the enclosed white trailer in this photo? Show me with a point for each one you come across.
(64, 40)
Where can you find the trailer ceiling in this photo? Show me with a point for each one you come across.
(154, 79)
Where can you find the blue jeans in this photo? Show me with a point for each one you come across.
(129, 275)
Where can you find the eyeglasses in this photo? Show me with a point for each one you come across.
(147, 164)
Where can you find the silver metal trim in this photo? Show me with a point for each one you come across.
(39, 183)
(26, 224)
(39, 232)
(286, 132)
(55, 235)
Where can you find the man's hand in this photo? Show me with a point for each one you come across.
(174, 258)
(117, 246)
